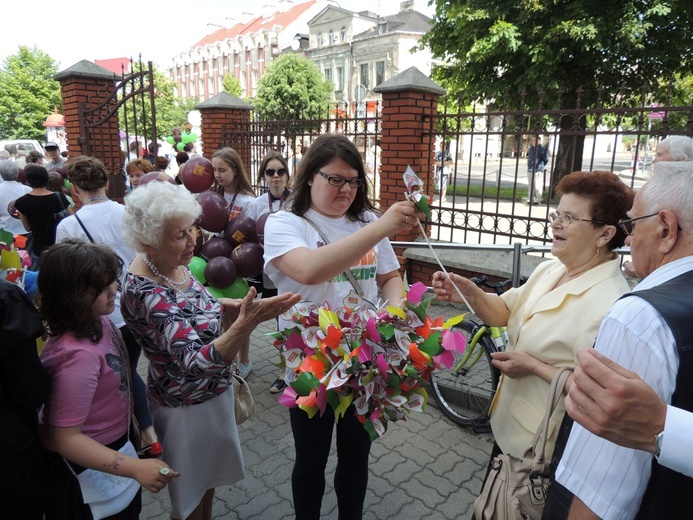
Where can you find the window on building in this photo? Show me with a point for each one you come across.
(342, 35)
(339, 80)
(248, 57)
(364, 75)
(319, 44)
(330, 37)
(328, 74)
(379, 72)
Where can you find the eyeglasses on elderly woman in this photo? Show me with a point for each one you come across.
(566, 219)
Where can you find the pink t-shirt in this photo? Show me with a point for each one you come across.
(89, 384)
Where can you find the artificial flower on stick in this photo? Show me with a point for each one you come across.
(374, 358)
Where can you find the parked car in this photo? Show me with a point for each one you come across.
(29, 145)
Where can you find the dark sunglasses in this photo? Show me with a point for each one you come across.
(281, 172)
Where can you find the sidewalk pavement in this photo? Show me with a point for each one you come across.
(425, 467)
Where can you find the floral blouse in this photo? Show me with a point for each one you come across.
(176, 330)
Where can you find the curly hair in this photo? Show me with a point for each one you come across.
(323, 151)
(241, 184)
(150, 207)
(609, 198)
(265, 161)
(88, 173)
(73, 273)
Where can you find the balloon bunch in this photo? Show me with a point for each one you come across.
(179, 139)
(221, 262)
(373, 358)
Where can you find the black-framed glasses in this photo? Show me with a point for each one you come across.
(341, 181)
(628, 224)
(272, 172)
(566, 219)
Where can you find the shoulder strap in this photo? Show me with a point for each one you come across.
(61, 200)
(84, 229)
(541, 436)
(347, 271)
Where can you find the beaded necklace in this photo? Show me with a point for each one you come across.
(168, 280)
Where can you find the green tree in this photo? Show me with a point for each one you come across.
(292, 88)
(28, 93)
(512, 50)
(232, 85)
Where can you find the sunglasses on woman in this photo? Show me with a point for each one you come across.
(271, 172)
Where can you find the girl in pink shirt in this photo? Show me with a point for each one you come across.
(86, 417)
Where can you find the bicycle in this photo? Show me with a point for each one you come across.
(465, 391)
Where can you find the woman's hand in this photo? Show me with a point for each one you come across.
(514, 364)
(445, 291)
(400, 217)
(148, 473)
(252, 312)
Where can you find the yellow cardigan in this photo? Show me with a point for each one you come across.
(551, 324)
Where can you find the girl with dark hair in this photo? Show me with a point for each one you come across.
(38, 209)
(87, 414)
(328, 228)
(231, 180)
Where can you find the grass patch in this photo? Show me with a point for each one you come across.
(488, 192)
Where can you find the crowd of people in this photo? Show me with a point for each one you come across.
(113, 282)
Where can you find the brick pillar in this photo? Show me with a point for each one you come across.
(86, 84)
(221, 113)
(407, 98)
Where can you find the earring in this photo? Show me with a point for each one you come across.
(598, 249)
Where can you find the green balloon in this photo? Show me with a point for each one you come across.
(185, 139)
(197, 268)
(170, 140)
(180, 146)
(193, 138)
(237, 289)
(217, 293)
(67, 184)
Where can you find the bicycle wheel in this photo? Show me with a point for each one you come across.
(465, 390)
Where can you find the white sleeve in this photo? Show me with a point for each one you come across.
(610, 479)
(677, 445)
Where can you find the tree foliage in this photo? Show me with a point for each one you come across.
(28, 94)
(510, 47)
(292, 88)
(232, 85)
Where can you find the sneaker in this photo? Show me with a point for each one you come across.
(244, 370)
(278, 385)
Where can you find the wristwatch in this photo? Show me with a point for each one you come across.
(659, 439)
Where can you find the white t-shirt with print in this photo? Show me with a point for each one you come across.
(242, 205)
(285, 231)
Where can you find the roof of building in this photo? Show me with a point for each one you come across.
(280, 18)
(115, 65)
(404, 22)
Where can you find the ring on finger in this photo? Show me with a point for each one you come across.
(406, 219)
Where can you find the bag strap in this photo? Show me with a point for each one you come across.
(347, 272)
(542, 434)
(84, 229)
(61, 200)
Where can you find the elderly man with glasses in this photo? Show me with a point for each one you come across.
(648, 332)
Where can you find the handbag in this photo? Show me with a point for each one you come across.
(515, 488)
(60, 214)
(243, 400)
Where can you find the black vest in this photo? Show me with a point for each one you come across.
(670, 494)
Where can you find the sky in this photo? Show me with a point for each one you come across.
(74, 30)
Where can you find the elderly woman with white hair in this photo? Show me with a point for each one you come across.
(674, 148)
(179, 326)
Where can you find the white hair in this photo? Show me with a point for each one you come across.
(671, 187)
(680, 147)
(148, 208)
(8, 171)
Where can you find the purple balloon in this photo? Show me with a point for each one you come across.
(240, 230)
(248, 259)
(214, 247)
(215, 213)
(220, 272)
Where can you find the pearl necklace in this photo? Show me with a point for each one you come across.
(168, 280)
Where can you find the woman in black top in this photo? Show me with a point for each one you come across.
(37, 211)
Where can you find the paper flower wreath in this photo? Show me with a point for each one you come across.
(376, 359)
